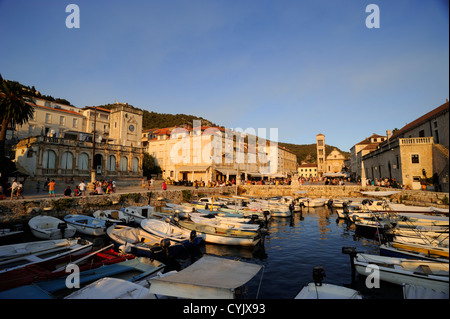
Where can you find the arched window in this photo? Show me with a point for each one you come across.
(49, 159)
(111, 164)
(67, 160)
(124, 164)
(83, 162)
(134, 164)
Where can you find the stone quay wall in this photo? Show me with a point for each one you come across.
(14, 212)
(407, 197)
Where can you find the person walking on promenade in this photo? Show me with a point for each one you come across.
(20, 190)
(82, 187)
(164, 186)
(13, 189)
(151, 183)
(51, 188)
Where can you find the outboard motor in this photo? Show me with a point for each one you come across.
(330, 203)
(193, 235)
(62, 227)
(318, 275)
(165, 243)
(254, 219)
(291, 207)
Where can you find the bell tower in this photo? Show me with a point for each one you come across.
(321, 159)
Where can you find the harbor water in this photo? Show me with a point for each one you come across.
(297, 244)
(292, 247)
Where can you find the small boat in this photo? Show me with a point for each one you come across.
(139, 242)
(49, 227)
(114, 216)
(112, 288)
(418, 292)
(137, 214)
(20, 255)
(131, 269)
(319, 290)
(11, 234)
(415, 251)
(372, 228)
(164, 229)
(314, 202)
(327, 291)
(221, 236)
(208, 278)
(280, 212)
(56, 268)
(428, 274)
(230, 223)
(87, 225)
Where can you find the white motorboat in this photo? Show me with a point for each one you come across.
(314, 202)
(223, 222)
(164, 229)
(112, 288)
(138, 213)
(87, 225)
(223, 236)
(327, 291)
(111, 215)
(49, 227)
(319, 290)
(428, 274)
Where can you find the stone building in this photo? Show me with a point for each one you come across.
(58, 142)
(216, 154)
(307, 170)
(416, 155)
(362, 148)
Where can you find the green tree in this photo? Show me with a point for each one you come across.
(149, 167)
(14, 110)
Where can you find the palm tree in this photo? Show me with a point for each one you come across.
(14, 110)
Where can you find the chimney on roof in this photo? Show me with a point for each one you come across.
(446, 100)
(388, 134)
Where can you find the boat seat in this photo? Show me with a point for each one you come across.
(423, 270)
(115, 215)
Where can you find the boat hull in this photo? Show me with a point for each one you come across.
(399, 271)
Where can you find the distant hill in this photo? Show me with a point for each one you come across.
(159, 120)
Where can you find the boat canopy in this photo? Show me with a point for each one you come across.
(208, 278)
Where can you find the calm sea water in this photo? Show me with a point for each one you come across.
(294, 246)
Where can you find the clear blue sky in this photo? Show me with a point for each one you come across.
(304, 67)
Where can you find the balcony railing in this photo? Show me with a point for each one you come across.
(70, 142)
(416, 140)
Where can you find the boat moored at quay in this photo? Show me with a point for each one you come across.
(165, 226)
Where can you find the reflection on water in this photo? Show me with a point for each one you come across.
(294, 246)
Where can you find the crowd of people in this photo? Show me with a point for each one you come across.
(383, 182)
(15, 189)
